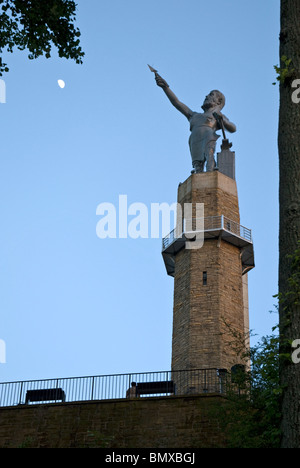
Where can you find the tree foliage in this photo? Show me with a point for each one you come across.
(284, 73)
(38, 25)
(254, 419)
(251, 419)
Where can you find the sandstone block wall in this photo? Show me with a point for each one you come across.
(160, 422)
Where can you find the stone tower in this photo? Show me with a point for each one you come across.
(210, 317)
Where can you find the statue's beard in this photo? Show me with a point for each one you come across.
(208, 105)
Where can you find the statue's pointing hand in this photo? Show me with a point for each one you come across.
(160, 81)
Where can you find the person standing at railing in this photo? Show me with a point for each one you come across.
(131, 392)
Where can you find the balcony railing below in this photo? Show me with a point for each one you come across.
(210, 224)
(108, 387)
(211, 227)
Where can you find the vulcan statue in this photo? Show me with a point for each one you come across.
(203, 126)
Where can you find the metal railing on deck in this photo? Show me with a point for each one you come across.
(210, 223)
(108, 387)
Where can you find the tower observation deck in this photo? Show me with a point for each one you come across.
(214, 227)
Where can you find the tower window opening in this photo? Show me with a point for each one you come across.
(204, 278)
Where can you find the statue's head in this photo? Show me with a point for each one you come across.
(214, 99)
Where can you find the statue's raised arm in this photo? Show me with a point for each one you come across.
(203, 125)
(185, 110)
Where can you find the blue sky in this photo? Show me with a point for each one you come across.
(73, 304)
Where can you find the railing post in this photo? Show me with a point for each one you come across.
(21, 393)
(92, 393)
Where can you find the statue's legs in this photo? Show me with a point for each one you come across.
(211, 163)
(198, 166)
